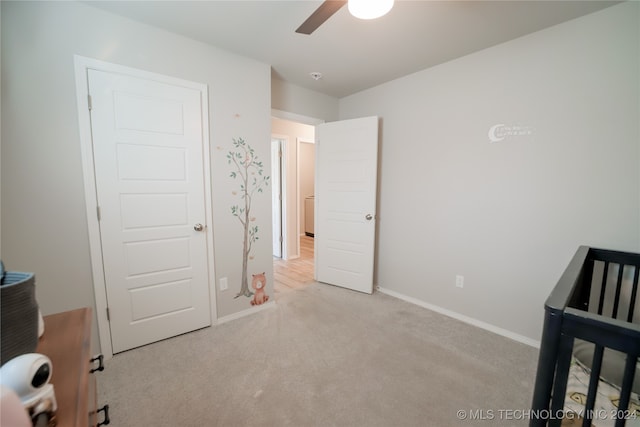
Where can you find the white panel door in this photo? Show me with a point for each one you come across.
(346, 180)
(148, 154)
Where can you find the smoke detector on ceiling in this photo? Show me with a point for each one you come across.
(315, 75)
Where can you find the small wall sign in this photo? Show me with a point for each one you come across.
(500, 132)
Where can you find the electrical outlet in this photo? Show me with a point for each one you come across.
(459, 281)
(224, 285)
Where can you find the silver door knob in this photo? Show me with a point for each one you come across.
(369, 217)
(198, 227)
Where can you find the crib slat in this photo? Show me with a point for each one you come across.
(596, 365)
(562, 377)
(634, 294)
(616, 301)
(625, 392)
(603, 288)
(582, 295)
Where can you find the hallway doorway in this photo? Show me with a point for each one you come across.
(293, 211)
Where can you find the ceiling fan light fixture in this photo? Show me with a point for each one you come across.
(369, 9)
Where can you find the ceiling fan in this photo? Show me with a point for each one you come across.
(363, 9)
(321, 14)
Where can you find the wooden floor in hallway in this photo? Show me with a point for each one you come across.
(295, 273)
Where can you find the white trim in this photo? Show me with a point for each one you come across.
(247, 312)
(284, 191)
(298, 201)
(466, 319)
(277, 204)
(315, 207)
(284, 178)
(82, 65)
(91, 202)
(208, 200)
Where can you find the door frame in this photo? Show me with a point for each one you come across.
(82, 65)
(292, 171)
(299, 200)
(283, 140)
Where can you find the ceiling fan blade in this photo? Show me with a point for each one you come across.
(321, 14)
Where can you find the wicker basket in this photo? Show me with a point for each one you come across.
(18, 315)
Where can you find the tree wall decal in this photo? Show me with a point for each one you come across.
(250, 171)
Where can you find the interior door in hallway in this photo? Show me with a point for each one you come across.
(346, 185)
(148, 154)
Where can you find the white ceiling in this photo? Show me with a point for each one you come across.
(352, 54)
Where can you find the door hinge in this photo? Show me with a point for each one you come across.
(98, 213)
(279, 153)
(108, 314)
(280, 239)
(89, 102)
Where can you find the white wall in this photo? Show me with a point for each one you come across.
(291, 98)
(293, 132)
(509, 215)
(43, 213)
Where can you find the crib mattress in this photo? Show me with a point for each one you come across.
(605, 411)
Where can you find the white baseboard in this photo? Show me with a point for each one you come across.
(466, 319)
(247, 312)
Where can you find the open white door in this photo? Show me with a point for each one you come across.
(148, 146)
(346, 180)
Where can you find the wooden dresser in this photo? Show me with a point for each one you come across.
(67, 342)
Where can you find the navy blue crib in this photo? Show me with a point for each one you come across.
(593, 302)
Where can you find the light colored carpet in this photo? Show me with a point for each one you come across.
(323, 356)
